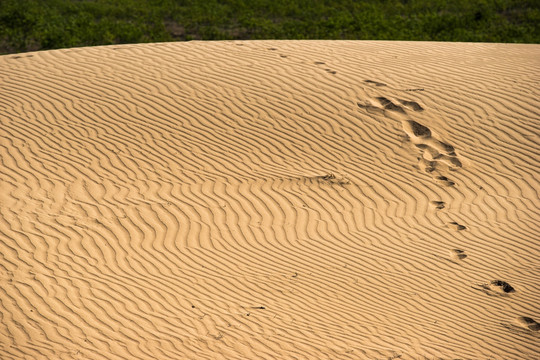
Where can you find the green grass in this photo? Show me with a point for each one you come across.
(27, 25)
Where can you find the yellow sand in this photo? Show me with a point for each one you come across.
(271, 200)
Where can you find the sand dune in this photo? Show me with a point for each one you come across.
(271, 200)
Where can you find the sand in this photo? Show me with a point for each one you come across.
(271, 200)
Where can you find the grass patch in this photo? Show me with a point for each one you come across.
(27, 25)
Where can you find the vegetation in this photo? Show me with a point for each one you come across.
(27, 25)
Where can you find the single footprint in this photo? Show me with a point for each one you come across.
(458, 254)
(376, 83)
(437, 204)
(528, 323)
(444, 181)
(500, 286)
(496, 288)
(455, 226)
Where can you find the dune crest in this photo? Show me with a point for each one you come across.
(270, 199)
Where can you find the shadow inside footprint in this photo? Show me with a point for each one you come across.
(417, 129)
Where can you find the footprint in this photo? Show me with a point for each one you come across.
(458, 254)
(412, 104)
(437, 204)
(319, 63)
(444, 181)
(528, 323)
(330, 71)
(501, 287)
(389, 105)
(376, 83)
(455, 226)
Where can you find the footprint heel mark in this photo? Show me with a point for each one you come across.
(376, 83)
(412, 104)
(528, 323)
(389, 105)
(437, 204)
(455, 226)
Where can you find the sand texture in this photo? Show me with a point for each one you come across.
(271, 200)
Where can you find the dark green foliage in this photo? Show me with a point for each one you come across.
(27, 25)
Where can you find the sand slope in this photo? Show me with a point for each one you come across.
(270, 200)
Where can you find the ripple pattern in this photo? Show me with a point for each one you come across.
(270, 200)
